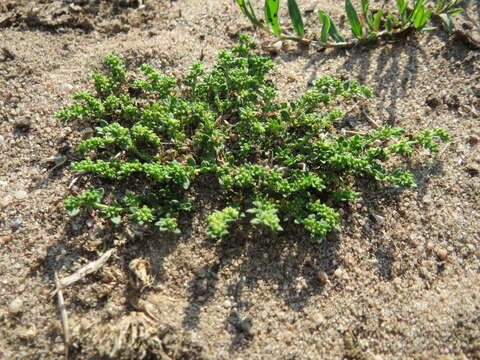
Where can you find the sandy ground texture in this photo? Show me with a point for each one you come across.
(400, 280)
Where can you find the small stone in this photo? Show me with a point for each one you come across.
(339, 273)
(275, 286)
(4, 202)
(64, 149)
(7, 239)
(348, 259)
(322, 277)
(227, 304)
(472, 140)
(441, 253)
(20, 194)
(430, 246)
(16, 306)
(433, 101)
(22, 124)
(378, 218)
(275, 47)
(319, 320)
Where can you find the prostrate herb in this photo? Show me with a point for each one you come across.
(271, 162)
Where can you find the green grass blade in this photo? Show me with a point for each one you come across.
(365, 6)
(376, 20)
(254, 17)
(440, 4)
(241, 4)
(353, 19)
(296, 17)
(393, 20)
(325, 19)
(402, 7)
(455, 11)
(372, 36)
(271, 15)
(426, 17)
(388, 24)
(334, 33)
(418, 19)
(247, 9)
(416, 9)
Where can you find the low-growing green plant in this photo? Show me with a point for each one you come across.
(160, 141)
(366, 25)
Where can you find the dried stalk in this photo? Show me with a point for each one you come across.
(87, 269)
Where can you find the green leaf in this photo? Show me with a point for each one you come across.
(271, 15)
(186, 184)
(376, 20)
(416, 9)
(253, 16)
(395, 22)
(353, 19)
(418, 20)
(248, 11)
(425, 18)
(325, 19)
(334, 33)
(402, 7)
(440, 4)
(388, 24)
(372, 36)
(116, 219)
(296, 17)
(453, 3)
(455, 11)
(74, 211)
(365, 6)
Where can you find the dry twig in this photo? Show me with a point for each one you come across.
(63, 315)
(87, 269)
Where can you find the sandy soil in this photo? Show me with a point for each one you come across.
(399, 281)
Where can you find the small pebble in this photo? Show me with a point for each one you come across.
(377, 217)
(227, 304)
(433, 101)
(275, 47)
(472, 140)
(20, 194)
(339, 273)
(430, 246)
(4, 202)
(441, 253)
(22, 124)
(16, 306)
(7, 239)
(322, 277)
(17, 224)
(319, 320)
